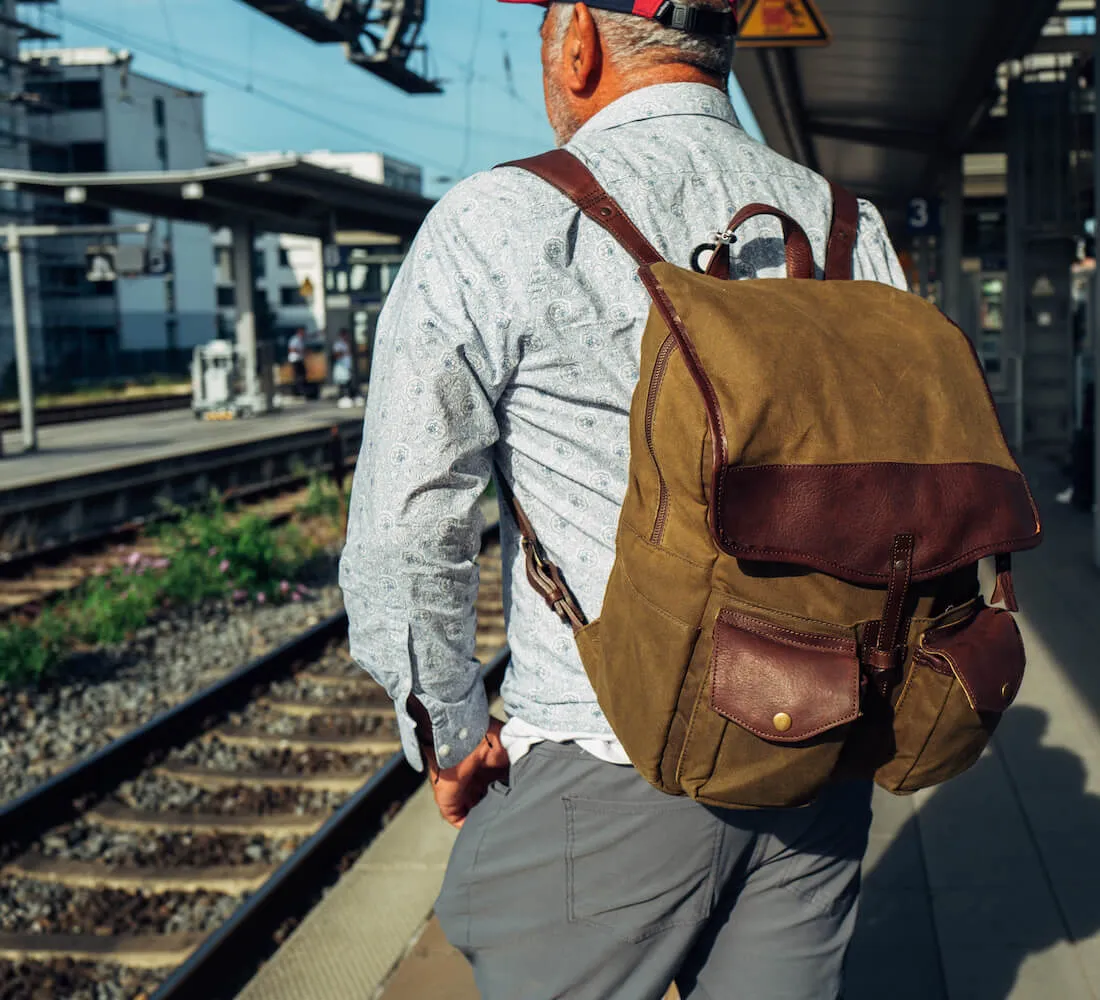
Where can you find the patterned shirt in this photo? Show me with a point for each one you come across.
(512, 334)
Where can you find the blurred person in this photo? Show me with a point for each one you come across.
(342, 369)
(511, 339)
(296, 355)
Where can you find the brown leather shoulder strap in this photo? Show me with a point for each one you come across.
(542, 574)
(572, 178)
(842, 235)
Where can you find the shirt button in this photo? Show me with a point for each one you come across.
(444, 751)
(463, 733)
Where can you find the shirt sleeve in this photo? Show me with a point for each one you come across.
(408, 570)
(875, 257)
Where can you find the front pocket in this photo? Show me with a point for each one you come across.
(637, 869)
(768, 728)
(961, 679)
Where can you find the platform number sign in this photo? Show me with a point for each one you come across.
(923, 216)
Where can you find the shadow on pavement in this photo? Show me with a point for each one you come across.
(1009, 869)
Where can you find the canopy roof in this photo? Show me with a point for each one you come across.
(903, 87)
(285, 194)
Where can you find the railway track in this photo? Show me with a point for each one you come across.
(31, 578)
(175, 857)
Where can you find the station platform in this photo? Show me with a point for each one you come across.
(987, 888)
(78, 449)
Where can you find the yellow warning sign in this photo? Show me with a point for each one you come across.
(775, 23)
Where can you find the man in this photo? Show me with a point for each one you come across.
(512, 337)
(296, 355)
(341, 368)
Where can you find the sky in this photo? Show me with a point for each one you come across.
(270, 89)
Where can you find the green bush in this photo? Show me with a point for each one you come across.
(204, 554)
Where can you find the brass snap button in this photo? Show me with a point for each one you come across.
(1006, 691)
(782, 722)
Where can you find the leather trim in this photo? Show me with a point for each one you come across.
(572, 178)
(765, 677)
(800, 258)
(842, 235)
(715, 424)
(842, 519)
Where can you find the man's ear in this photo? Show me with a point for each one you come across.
(583, 53)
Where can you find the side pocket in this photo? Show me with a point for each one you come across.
(637, 869)
(788, 697)
(961, 679)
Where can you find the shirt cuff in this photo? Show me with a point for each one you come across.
(457, 728)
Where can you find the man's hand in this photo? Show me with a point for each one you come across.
(458, 789)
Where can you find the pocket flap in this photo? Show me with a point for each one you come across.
(985, 653)
(781, 685)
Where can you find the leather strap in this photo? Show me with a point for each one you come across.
(572, 178)
(800, 257)
(842, 235)
(1005, 589)
(883, 648)
(542, 574)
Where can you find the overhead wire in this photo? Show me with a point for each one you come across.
(272, 99)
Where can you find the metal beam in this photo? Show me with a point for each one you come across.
(1014, 29)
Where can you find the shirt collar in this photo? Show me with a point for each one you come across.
(660, 101)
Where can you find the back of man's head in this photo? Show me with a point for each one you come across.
(635, 43)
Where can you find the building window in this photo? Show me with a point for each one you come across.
(227, 298)
(259, 264)
(284, 257)
(291, 297)
(88, 157)
(162, 151)
(158, 111)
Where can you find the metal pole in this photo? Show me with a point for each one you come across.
(244, 282)
(1095, 317)
(924, 253)
(22, 339)
(952, 250)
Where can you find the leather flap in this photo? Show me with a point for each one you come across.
(781, 685)
(985, 653)
(843, 519)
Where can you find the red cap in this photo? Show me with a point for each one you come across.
(643, 8)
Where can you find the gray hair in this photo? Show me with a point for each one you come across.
(637, 40)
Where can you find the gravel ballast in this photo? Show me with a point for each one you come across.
(43, 730)
(30, 907)
(74, 981)
(82, 841)
(160, 794)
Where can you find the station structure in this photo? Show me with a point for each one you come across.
(973, 127)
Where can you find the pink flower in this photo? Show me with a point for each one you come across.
(162, 563)
(240, 595)
(302, 588)
(133, 559)
(296, 597)
(284, 587)
(212, 551)
(223, 565)
(261, 597)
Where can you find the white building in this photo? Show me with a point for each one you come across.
(96, 114)
(15, 154)
(287, 266)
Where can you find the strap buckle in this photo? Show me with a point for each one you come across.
(546, 579)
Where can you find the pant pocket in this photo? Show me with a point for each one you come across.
(638, 869)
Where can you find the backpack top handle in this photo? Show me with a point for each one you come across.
(569, 175)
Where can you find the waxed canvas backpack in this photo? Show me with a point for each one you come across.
(816, 469)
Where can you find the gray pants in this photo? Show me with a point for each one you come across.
(579, 880)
